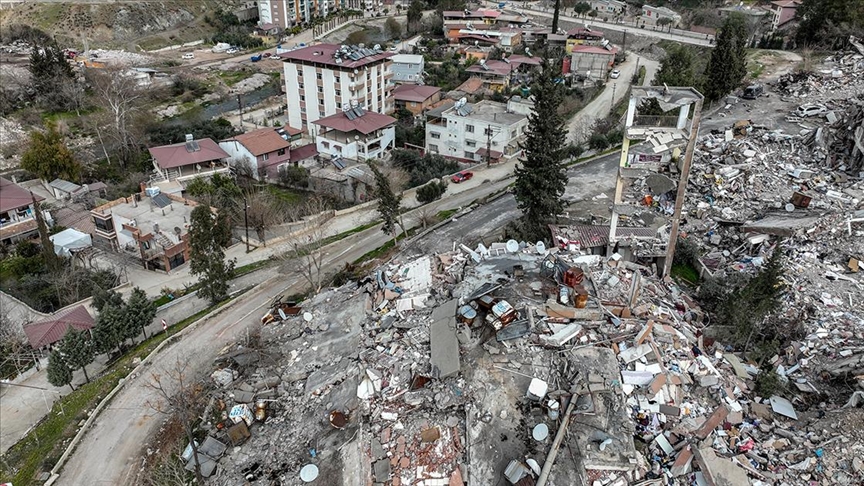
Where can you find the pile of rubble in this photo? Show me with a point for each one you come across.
(515, 364)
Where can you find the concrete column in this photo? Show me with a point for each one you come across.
(682, 116)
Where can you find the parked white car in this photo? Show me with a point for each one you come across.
(233, 50)
(615, 74)
(188, 55)
(811, 109)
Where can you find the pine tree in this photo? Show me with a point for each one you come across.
(51, 73)
(78, 351)
(206, 236)
(101, 298)
(109, 330)
(555, 16)
(415, 15)
(541, 177)
(140, 311)
(59, 373)
(728, 63)
(49, 256)
(389, 204)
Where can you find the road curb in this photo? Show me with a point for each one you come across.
(95, 414)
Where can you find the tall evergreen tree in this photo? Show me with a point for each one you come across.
(101, 298)
(555, 16)
(109, 330)
(828, 23)
(206, 237)
(728, 63)
(389, 204)
(415, 15)
(52, 261)
(541, 177)
(78, 351)
(51, 73)
(59, 373)
(140, 311)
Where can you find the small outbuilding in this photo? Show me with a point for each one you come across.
(49, 331)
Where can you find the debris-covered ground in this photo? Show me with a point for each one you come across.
(517, 364)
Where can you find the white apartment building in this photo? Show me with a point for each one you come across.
(465, 130)
(288, 13)
(325, 79)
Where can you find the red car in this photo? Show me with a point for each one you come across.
(462, 176)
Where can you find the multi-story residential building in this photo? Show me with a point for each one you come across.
(416, 98)
(151, 227)
(17, 217)
(324, 79)
(498, 75)
(652, 15)
(470, 131)
(581, 36)
(288, 13)
(355, 134)
(592, 62)
(407, 68)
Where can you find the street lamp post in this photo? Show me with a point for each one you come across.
(246, 221)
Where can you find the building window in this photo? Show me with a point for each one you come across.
(302, 98)
(320, 89)
(338, 105)
(280, 152)
(265, 156)
(301, 85)
(433, 148)
(320, 101)
(487, 131)
(513, 134)
(326, 145)
(318, 75)
(469, 128)
(469, 143)
(469, 155)
(321, 112)
(435, 135)
(338, 92)
(106, 225)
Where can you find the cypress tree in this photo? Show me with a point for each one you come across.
(206, 238)
(728, 63)
(541, 177)
(389, 203)
(78, 351)
(59, 373)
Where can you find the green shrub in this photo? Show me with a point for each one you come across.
(431, 191)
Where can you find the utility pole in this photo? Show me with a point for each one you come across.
(488, 145)
(612, 103)
(246, 221)
(240, 107)
(624, 44)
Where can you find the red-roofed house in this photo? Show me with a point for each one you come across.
(356, 134)
(17, 219)
(582, 36)
(592, 61)
(498, 75)
(261, 151)
(784, 11)
(416, 98)
(49, 331)
(187, 160)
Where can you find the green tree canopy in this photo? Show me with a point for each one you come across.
(78, 350)
(828, 23)
(48, 157)
(140, 312)
(207, 239)
(541, 177)
(389, 204)
(728, 63)
(676, 68)
(415, 15)
(59, 373)
(109, 330)
(52, 76)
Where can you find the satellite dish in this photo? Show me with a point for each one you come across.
(512, 246)
(541, 247)
(309, 473)
(307, 316)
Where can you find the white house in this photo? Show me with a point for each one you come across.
(355, 134)
(652, 15)
(465, 130)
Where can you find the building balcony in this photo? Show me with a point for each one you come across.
(652, 121)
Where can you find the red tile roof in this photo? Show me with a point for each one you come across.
(323, 54)
(304, 152)
(176, 155)
(493, 154)
(471, 85)
(366, 124)
(262, 141)
(51, 330)
(13, 196)
(413, 92)
(500, 68)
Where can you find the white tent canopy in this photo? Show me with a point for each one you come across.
(70, 241)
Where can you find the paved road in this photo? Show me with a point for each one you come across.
(581, 126)
(486, 222)
(108, 454)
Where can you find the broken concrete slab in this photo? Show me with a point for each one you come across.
(562, 336)
(719, 471)
(740, 371)
(444, 347)
(713, 422)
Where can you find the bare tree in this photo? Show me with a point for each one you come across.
(181, 396)
(307, 252)
(426, 215)
(121, 96)
(263, 211)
